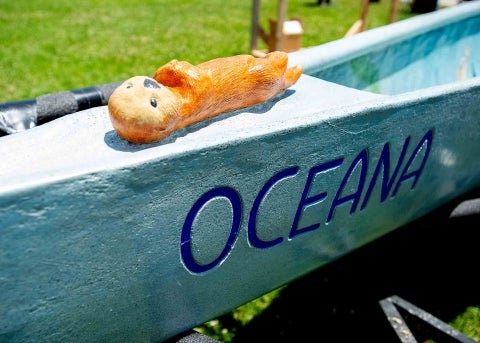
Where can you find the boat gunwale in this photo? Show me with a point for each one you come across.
(316, 118)
(339, 51)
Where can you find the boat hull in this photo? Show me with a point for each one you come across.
(105, 240)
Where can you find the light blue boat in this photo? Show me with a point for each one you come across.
(102, 240)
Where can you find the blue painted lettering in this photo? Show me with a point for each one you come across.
(354, 177)
(415, 174)
(387, 182)
(252, 221)
(305, 200)
(362, 158)
(185, 246)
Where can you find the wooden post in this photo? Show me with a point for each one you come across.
(257, 30)
(393, 11)
(364, 13)
(361, 23)
(281, 14)
(274, 39)
(255, 25)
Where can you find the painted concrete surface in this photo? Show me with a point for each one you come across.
(102, 240)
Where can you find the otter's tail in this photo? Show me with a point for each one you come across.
(279, 61)
(292, 75)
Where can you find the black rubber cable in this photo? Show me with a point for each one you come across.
(17, 116)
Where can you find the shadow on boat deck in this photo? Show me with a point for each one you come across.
(431, 263)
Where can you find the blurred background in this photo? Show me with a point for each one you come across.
(50, 46)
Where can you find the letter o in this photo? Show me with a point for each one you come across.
(185, 249)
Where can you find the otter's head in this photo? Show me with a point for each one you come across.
(143, 110)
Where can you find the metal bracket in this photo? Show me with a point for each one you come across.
(192, 336)
(412, 324)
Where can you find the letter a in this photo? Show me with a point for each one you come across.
(406, 174)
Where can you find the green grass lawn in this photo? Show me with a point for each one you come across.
(50, 46)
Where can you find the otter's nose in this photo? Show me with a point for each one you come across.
(150, 83)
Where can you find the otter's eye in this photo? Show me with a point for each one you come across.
(153, 102)
(129, 85)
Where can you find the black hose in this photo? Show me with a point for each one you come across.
(17, 116)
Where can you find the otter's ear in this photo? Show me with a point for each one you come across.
(177, 74)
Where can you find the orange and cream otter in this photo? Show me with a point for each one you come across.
(146, 110)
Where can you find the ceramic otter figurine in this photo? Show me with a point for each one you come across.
(146, 110)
